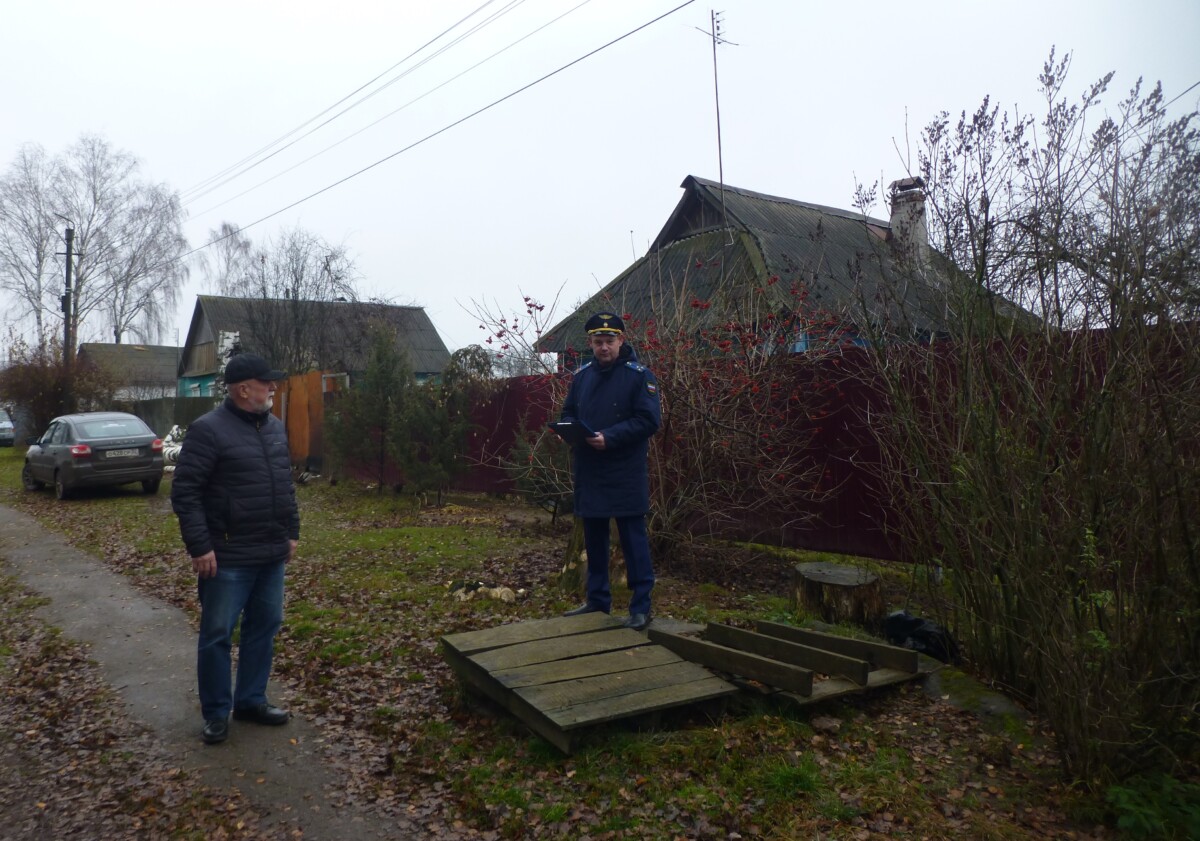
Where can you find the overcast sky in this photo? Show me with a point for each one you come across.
(560, 186)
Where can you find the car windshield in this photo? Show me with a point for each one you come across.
(112, 427)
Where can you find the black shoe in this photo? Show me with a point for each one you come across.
(263, 714)
(637, 621)
(215, 731)
(584, 608)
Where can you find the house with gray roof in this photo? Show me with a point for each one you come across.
(138, 372)
(301, 336)
(730, 253)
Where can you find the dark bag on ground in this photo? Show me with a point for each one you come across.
(903, 629)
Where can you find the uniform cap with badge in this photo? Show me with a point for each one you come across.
(605, 324)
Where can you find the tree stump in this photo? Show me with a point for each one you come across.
(838, 593)
(574, 570)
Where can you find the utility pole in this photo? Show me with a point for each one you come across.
(68, 400)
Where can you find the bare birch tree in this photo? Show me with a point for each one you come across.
(128, 240)
(144, 271)
(129, 235)
(28, 240)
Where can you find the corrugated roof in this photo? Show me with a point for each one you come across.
(344, 326)
(134, 365)
(722, 244)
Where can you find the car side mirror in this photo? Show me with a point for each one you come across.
(32, 439)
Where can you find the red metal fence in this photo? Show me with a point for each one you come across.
(851, 517)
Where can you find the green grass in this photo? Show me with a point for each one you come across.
(555, 813)
(788, 777)
(11, 460)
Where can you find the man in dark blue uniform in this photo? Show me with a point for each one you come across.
(617, 397)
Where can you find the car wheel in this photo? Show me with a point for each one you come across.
(27, 480)
(61, 490)
(150, 486)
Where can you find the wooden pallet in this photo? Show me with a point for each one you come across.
(561, 675)
(800, 666)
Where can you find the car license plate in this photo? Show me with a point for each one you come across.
(120, 453)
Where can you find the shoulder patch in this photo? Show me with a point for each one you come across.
(651, 388)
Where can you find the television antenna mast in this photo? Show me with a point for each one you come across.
(717, 38)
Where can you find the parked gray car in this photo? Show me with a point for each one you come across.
(94, 449)
(8, 434)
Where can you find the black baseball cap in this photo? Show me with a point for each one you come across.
(250, 366)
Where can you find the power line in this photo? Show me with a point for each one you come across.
(1182, 95)
(389, 114)
(512, 4)
(442, 130)
(354, 92)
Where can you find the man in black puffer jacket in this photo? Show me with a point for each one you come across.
(236, 503)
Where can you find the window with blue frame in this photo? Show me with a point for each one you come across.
(805, 341)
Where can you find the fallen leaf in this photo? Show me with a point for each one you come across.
(826, 723)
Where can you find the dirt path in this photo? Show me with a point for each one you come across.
(146, 651)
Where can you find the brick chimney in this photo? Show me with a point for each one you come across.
(909, 231)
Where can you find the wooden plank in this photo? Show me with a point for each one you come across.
(763, 669)
(878, 654)
(549, 697)
(560, 648)
(472, 642)
(704, 688)
(629, 659)
(478, 679)
(816, 659)
(752, 686)
(835, 687)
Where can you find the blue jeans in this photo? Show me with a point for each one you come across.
(255, 594)
(639, 572)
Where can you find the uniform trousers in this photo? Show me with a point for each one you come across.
(639, 572)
